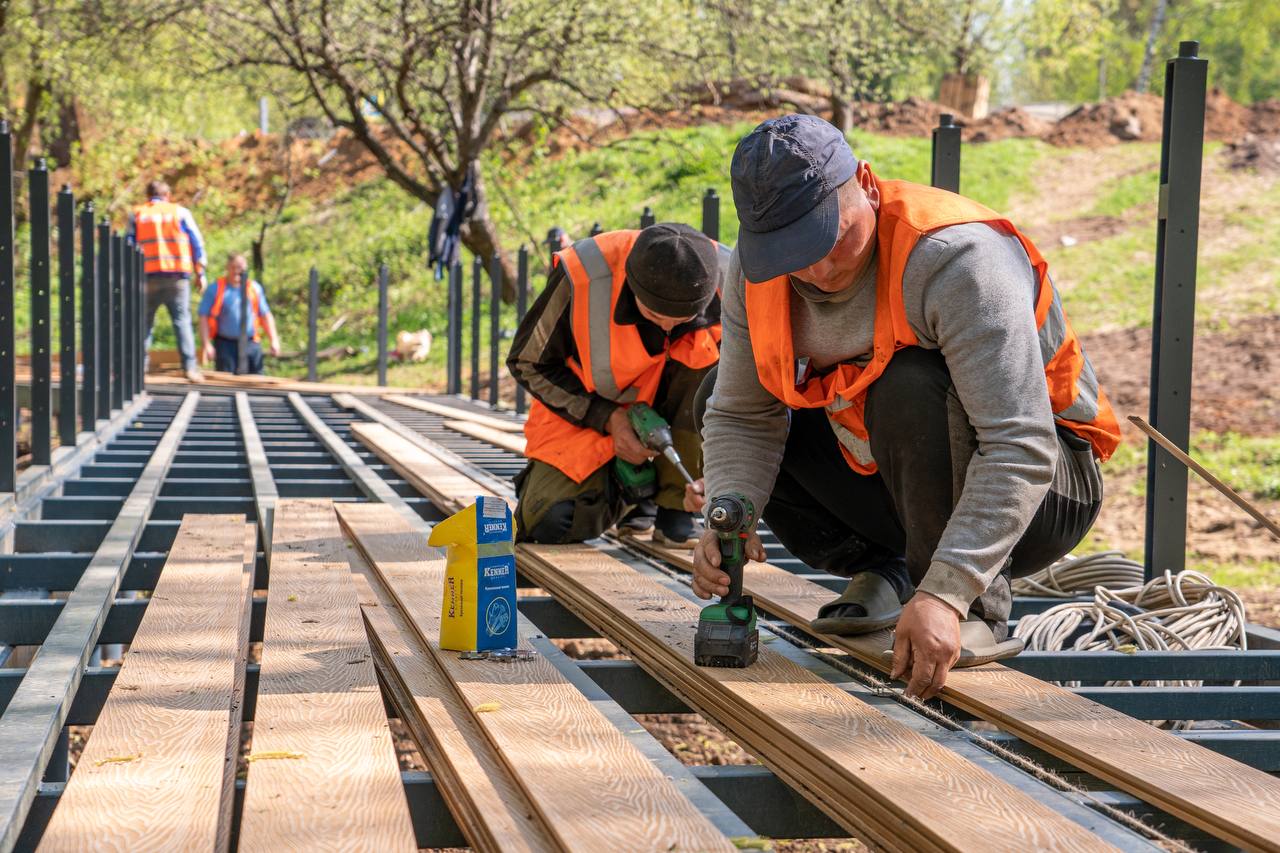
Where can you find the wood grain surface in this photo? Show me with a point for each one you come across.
(323, 773)
(505, 440)
(593, 790)
(433, 478)
(454, 413)
(154, 772)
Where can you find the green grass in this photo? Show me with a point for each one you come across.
(1249, 464)
(1127, 192)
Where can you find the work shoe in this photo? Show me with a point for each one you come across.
(675, 528)
(639, 519)
(869, 603)
(193, 374)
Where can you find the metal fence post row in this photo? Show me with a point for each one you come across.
(1173, 317)
(495, 305)
(88, 321)
(646, 217)
(945, 171)
(522, 308)
(8, 358)
(477, 267)
(66, 316)
(711, 214)
(104, 319)
(455, 329)
(41, 405)
(117, 321)
(127, 307)
(382, 324)
(313, 319)
(242, 342)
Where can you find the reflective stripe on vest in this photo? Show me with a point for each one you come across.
(600, 308)
(165, 246)
(217, 308)
(908, 211)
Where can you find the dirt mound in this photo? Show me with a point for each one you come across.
(1137, 116)
(1257, 153)
(912, 117)
(1264, 117)
(1009, 123)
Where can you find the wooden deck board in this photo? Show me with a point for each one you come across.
(505, 440)
(454, 413)
(445, 486)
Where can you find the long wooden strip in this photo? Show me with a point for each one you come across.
(505, 440)
(153, 775)
(232, 754)
(453, 413)
(265, 495)
(592, 788)
(445, 486)
(1224, 797)
(38, 709)
(323, 772)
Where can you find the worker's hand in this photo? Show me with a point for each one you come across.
(926, 644)
(708, 580)
(626, 444)
(275, 349)
(206, 353)
(200, 281)
(695, 496)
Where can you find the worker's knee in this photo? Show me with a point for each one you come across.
(702, 396)
(553, 527)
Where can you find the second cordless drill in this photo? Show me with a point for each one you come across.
(641, 481)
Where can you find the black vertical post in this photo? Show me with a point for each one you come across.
(596, 228)
(451, 331)
(105, 248)
(313, 319)
(256, 255)
(242, 343)
(66, 317)
(945, 172)
(382, 324)
(522, 308)
(455, 329)
(477, 267)
(141, 270)
(88, 322)
(8, 359)
(117, 321)
(711, 215)
(647, 217)
(495, 304)
(41, 316)
(553, 246)
(126, 304)
(1173, 319)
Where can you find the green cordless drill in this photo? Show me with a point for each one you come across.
(727, 634)
(641, 481)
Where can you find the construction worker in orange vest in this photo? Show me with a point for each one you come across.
(220, 318)
(174, 252)
(626, 317)
(900, 391)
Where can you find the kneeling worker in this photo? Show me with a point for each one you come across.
(626, 317)
(901, 393)
(220, 319)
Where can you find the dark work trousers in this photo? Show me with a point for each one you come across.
(839, 521)
(554, 509)
(226, 353)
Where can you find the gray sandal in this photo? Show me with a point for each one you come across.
(871, 592)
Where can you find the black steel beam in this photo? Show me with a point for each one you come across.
(553, 618)
(635, 690)
(88, 320)
(117, 321)
(104, 244)
(1184, 703)
(40, 272)
(1150, 666)
(945, 166)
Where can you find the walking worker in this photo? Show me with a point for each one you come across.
(901, 392)
(174, 251)
(626, 317)
(220, 320)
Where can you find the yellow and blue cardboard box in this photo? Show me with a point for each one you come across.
(479, 607)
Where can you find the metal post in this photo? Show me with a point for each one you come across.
(117, 321)
(596, 229)
(313, 319)
(711, 215)
(126, 304)
(41, 316)
(8, 359)
(647, 217)
(450, 332)
(477, 266)
(1173, 319)
(553, 246)
(141, 268)
(88, 321)
(455, 329)
(66, 316)
(104, 319)
(382, 324)
(522, 308)
(242, 343)
(945, 173)
(495, 305)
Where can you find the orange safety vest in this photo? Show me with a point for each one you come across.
(158, 230)
(612, 360)
(217, 307)
(907, 212)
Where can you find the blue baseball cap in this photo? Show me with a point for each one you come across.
(784, 175)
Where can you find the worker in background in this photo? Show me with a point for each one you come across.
(901, 392)
(626, 316)
(220, 319)
(174, 252)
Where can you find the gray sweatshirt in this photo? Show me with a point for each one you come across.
(969, 291)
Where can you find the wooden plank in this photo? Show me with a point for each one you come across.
(490, 808)
(264, 485)
(35, 715)
(1223, 797)
(323, 772)
(454, 413)
(155, 773)
(588, 783)
(445, 486)
(261, 384)
(505, 440)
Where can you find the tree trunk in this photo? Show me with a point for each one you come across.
(481, 236)
(36, 90)
(66, 133)
(1149, 53)
(841, 113)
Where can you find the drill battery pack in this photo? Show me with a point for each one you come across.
(725, 637)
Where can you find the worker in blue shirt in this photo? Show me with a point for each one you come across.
(220, 320)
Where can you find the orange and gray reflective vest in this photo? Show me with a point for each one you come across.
(217, 308)
(158, 230)
(612, 360)
(907, 212)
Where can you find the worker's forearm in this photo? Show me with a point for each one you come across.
(272, 335)
(204, 331)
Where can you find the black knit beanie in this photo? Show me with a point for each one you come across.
(673, 269)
